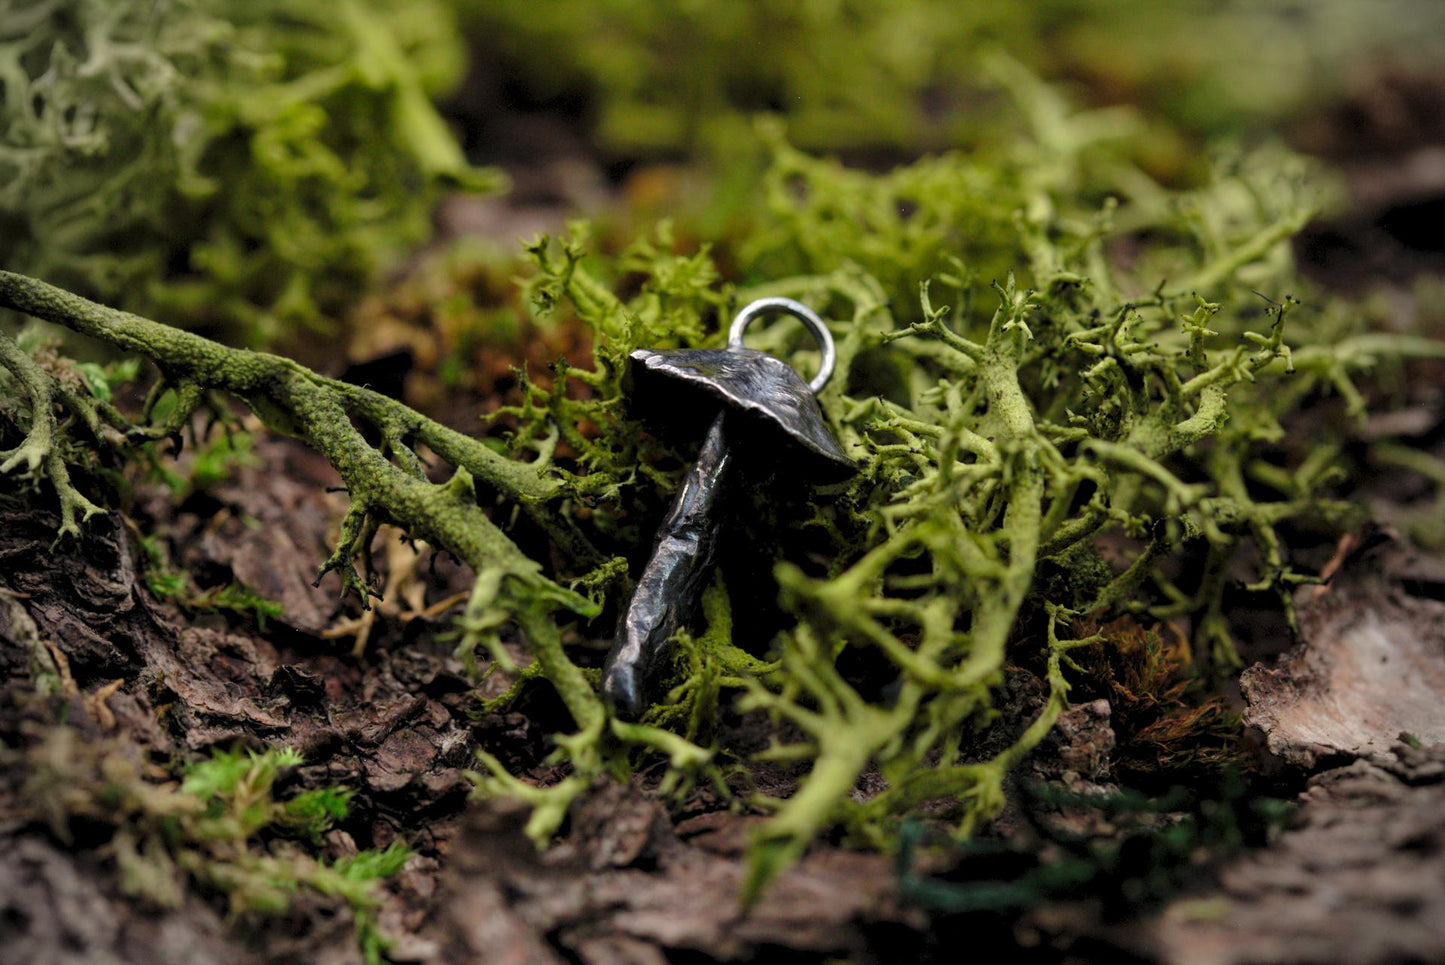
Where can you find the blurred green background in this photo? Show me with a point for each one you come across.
(655, 76)
(253, 167)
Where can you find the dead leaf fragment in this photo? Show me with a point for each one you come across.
(1370, 668)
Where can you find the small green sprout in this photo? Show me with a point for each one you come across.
(221, 830)
(234, 597)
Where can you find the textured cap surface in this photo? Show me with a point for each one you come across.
(743, 380)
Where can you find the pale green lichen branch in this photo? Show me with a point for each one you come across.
(39, 453)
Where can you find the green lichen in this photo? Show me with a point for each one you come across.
(1014, 389)
(1000, 426)
(223, 161)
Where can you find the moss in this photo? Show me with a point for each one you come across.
(248, 165)
(1169, 724)
(212, 462)
(222, 830)
(234, 597)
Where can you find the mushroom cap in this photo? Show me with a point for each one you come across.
(747, 381)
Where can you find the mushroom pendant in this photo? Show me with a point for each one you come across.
(757, 398)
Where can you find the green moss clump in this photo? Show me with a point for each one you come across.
(221, 830)
(224, 162)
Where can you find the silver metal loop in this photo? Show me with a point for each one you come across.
(804, 314)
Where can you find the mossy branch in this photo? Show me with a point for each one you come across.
(321, 411)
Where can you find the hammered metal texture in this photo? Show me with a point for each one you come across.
(745, 380)
(752, 401)
(670, 584)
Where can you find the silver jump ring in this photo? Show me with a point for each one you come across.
(804, 314)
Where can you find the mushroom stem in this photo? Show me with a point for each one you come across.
(672, 580)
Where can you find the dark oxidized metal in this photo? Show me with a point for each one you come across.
(756, 395)
(751, 383)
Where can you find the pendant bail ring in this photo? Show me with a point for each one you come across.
(804, 314)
